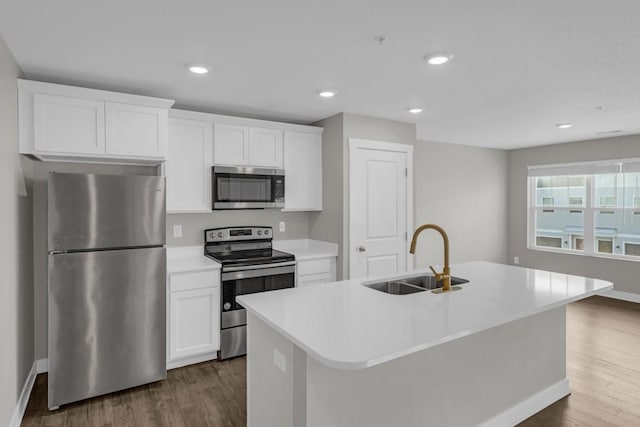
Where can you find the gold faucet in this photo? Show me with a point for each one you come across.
(445, 276)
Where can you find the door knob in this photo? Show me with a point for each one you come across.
(361, 249)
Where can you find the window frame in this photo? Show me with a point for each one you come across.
(589, 210)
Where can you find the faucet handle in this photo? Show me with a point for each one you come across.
(435, 273)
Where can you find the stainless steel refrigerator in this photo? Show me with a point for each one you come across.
(107, 291)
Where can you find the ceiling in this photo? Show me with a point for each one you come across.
(519, 67)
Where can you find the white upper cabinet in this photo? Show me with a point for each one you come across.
(133, 130)
(231, 144)
(197, 141)
(60, 122)
(265, 147)
(67, 125)
(188, 166)
(303, 171)
(237, 145)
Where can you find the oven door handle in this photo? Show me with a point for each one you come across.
(259, 266)
(260, 272)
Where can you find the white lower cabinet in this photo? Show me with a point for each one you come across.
(193, 321)
(315, 279)
(316, 271)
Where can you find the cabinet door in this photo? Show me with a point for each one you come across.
(68, 125)
(303, 171)
(194, 325)
(231, 145)
(314, 279)
(133, 130)
(188, 167)
(265, 147)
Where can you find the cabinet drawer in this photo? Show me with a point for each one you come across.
(314, 279)
(193, 280)
(314, 266)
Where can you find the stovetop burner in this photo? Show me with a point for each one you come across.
(251, 257)
(243, 246)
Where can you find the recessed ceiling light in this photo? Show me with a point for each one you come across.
(564, 125)
(415, 110)
(438, 58)
(198, 69)
(326, 93)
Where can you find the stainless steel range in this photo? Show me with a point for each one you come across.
(249, 265)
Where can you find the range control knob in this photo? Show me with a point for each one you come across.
(266, 232)
(260, 233)
(220, 234)
(227, 306)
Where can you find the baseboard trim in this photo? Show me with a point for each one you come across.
(530, 406)
(23, 400)
(42, 366)
(625, 296)
(178, 363)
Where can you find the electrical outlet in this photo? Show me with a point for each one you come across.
(177, 230)
(516, 260)
(279, 360)
(282, 227)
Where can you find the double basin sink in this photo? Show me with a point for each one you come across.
(411, 284)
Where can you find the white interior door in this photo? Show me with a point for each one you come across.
(380, 200)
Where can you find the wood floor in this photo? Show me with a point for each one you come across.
(603, 366)
(206, 394)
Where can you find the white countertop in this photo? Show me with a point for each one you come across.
(188, 258)
(306, 249)
(348, 326)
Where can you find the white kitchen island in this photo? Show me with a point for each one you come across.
(342, 354)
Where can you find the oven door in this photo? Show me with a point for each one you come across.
(245, 280)
(247, 188)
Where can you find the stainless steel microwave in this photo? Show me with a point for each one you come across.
(247, 188)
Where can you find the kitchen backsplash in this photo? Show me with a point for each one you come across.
(296, 224)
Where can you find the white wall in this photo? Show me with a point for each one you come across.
(623, 273)
(370, 128)
(16, 286)
(332, 224)
(327, 225)
(193, 225)
(464, 190)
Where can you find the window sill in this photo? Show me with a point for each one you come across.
(580, 253)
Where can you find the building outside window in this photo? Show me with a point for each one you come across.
(586, 208)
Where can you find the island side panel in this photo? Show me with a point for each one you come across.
(486, 378)
(276, 378)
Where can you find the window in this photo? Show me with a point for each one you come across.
(586, 208)
(550, 242)
(632, 249)
(605, 246)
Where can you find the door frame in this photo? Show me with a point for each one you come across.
(368, 144)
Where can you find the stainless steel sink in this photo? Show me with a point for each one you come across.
(411, 284)
(429, 281)
(395, 287)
